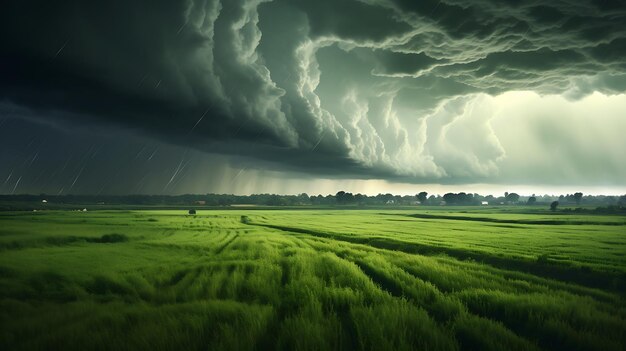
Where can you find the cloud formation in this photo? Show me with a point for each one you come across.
(392, 89)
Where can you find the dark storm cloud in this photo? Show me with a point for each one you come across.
(363, 88)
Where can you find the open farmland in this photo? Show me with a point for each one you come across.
(433, 279)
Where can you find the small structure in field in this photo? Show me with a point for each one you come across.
(44, 201)
(192, 212)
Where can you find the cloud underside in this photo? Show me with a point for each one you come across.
(419, 91)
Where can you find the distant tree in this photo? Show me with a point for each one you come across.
(397, 199)
(421, 197)
(512, 197)
(340, 197)
(329, 199)
(459, 199)
(349, 198)
(478, 198)
(578, 197)
(360, 198)
(464, 199)
(449, 198)
(408, 199)
(554, 205)
(385, 198)
(192, 212)
(343, 197)
(531, 200)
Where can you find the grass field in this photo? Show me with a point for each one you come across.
(420, 279)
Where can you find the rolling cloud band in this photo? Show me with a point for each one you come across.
(444, 91)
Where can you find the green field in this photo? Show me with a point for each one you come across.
(417, 279)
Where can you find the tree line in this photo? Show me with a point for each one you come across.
(341, 198)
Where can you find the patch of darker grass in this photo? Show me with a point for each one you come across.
(63, 240)
(52, 286)
(109, 239)
(105, 285)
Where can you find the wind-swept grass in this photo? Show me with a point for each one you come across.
(311, 280)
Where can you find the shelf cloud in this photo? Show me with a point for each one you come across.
(438, 91)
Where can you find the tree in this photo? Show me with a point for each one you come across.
(432, 199)
(554, 205)
(343, 197)
(340, 197)
(531, 200)
(349, 198)
(421, 197)
(384, 198)
(578, 197)
(464, 199)
(304, 199)
(450, 198)
(360, 198)
(512, 197)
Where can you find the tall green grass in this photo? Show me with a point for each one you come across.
(309, 280)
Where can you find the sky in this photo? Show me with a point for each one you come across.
(316, 96)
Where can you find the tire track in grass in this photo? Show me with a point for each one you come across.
(224, 237)
(559, 221)
(348, 338)
(578, 275)
(397, 289)
(223, 247)
(442, 309)
(386, 284)
(268, 340)
(550, 330)
(437, 304)
(401, 284)
(301, 243)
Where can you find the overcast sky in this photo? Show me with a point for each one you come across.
(289, 96)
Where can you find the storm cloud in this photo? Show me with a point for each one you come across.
(412, 91)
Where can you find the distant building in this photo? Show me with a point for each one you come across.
(484, 203)
(201, 202)
(44, 201)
